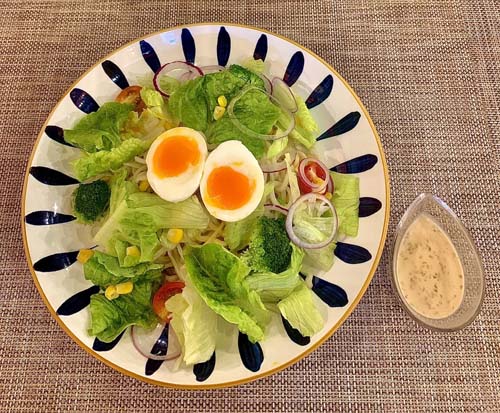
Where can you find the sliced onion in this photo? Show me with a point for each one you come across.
(250, 132)
(267, 84)
(273, 167)
(277, 208)
(305, 184)
(181, 68)
(310, 197)
(145, 340)
(212, 69)
(283, 94)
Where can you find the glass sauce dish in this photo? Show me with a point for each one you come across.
(473, 273)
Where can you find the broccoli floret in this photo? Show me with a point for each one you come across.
(269, 248)
(90, 201)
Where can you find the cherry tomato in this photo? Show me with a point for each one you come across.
(132, 95)
(166, 291)
(313, 176)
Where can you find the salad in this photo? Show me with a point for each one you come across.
(208, 206)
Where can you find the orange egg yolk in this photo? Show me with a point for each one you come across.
(175, 155)
(228, 188)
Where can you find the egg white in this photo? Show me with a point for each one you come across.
(235, 155)
(180, 187)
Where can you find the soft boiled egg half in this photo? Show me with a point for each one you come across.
(233, 183)
(175, 163)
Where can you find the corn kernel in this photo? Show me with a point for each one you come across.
(328, 195)
(111, 293)
(219, 112)
(222, 101)
(143, 186)
(133, 251)
(175, 235)
(84, 255)
(124, 288)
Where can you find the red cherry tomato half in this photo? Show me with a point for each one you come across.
(166, 291)
(311, 176)
(132, 95)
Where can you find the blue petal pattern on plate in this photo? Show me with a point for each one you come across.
(115, 74)
(47, 218)
(294, 68)
(344, 125)
(352, 254)
(260, 51)
(356, 165)
(331, 294)
(294, 334)
(188, 46)
(102, 346)
(320, 92)
(223, 46)
(83, 101)
(202, 371)
(57, 134)
(50, 176)
(368, 206)
(160, 348)
(77, 302)
(251, 354)
(149, 55)
(56, 262)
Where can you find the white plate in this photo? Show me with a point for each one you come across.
(348, 138)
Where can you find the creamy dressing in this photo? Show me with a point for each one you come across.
(429, 271)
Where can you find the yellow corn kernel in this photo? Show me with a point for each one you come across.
(219, 112)
(111, 293)
(175, 235)
(222, 101)
(133, 251)
(328, 195)
(143, 186)
(124, 288)
(84, 255)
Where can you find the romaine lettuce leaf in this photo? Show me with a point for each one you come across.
(318, 259)
(109, 318)
(305, 126)
(237, 234)
(100, 130)
(195, 325)
(274, 287)
(254, 65)
(300, 311)
(188, 104)
(218, 277)
(346, 201)
(103, 161)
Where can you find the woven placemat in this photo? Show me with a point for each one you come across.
(428, 71)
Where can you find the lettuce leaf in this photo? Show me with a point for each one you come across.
(140, 216)
(195, 325)
(109, 318)
(274, 287)
(103, 161)
(299, 310)
(254, 65)
(238, 234)
(346, 201)
(219, 276)
(306, 127)
(104, 270)
(100, 130)
(188, 104)
(319, 259)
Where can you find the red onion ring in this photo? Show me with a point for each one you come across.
(277, 208)
(289, 221)
(170, 67)
(144, 341)
(212, 69)
(283, 94)
(318, 188)
(250, 132)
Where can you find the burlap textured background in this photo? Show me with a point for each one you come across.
(428, 71)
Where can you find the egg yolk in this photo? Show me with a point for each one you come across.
(175, 155)
(228, 188)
